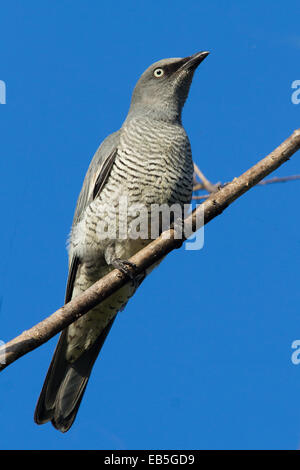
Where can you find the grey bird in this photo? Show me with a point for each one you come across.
(147, 161)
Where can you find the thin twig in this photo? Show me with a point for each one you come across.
(280, 179)
(206, 183)
(198, 198)
(276, 179)
(198, 187)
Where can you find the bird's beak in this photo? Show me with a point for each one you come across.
(192, 62)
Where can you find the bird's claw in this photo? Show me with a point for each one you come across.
(128, 268)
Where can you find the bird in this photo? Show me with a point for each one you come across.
(147, 161)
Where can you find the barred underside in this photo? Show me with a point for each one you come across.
(153, 165)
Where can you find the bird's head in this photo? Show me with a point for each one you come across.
(163, 88)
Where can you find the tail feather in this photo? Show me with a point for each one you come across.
(65, 383)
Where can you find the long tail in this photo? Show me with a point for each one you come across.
(65, 384)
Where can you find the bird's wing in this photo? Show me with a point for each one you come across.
(65, 382)
(94, 181)
(97, 174)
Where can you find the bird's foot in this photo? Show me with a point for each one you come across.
(127, 268)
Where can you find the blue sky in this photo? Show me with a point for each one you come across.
(201, 357)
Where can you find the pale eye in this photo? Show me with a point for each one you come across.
(158, 73)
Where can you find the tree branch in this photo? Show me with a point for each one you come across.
(214, 187)
(213, 206)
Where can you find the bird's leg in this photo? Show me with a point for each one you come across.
(127, 268)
